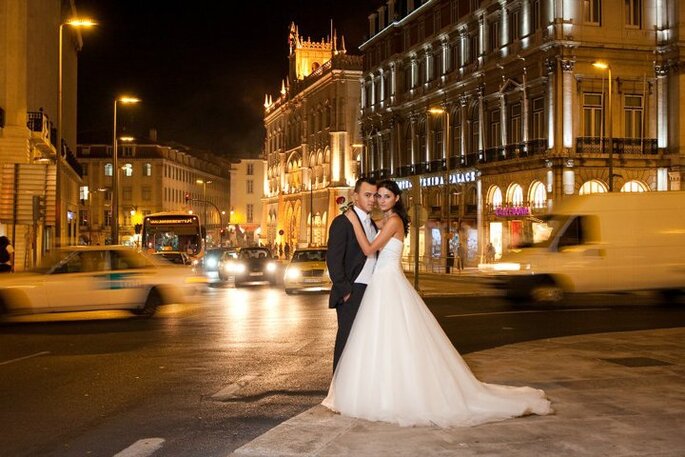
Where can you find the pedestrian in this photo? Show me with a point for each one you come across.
(450, 260)
(490, 253)
(286, 250)
(280, 250)
(6, 255)
(461, 256)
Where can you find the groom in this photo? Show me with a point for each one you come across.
(349, 268)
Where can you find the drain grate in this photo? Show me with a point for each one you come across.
(633, 362)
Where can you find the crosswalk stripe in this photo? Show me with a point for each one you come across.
(142, 448)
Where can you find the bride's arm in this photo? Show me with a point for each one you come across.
(389, 230)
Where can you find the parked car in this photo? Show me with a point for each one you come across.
(253, 264)
(88, 278)
(179, 258)
(307, 271)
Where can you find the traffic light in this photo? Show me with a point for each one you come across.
(187, 197)
(38, 208)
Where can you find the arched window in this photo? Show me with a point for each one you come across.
(147, 169)
(515, 195)
(108, 169)
(594, 186)
(128, 169)
(495, 197)
(537, 195)
(634, 186)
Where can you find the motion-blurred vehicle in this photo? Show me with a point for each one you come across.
(307, 271)
(178, 258)
(253, 264)
(211, 261)
(89, 278)
(223, 268)
(613, 242)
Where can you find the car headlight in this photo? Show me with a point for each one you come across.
(293, 273)
(271, 267)
(211, 262)
(239, 268)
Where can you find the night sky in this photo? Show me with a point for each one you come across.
(201, 67)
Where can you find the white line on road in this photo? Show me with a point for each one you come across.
(529, 311)
(37, 354)
(142, 448)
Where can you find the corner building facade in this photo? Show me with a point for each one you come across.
(312, 143)
(518, 104)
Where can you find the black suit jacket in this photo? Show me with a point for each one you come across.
(345, 258)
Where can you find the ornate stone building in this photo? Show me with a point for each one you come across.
(312, 141)
(521, 103)
(247, 191)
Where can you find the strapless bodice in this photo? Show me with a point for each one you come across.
(391, 253)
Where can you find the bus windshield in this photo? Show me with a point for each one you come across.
(172, 232)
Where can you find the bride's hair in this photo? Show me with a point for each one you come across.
(399, 207)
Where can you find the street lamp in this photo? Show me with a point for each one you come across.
(606, 66)
(204, 202)
(446, 185)
(126, 100)
(76, 23)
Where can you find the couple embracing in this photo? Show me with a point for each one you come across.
(392, 361)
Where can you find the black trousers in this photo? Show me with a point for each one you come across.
(346, 313)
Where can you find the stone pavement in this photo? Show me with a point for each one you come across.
(614, 395)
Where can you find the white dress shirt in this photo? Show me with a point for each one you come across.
(365, 275)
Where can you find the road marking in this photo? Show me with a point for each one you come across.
(230, 391)
(37, 354)
(529, 311)
(142, 448)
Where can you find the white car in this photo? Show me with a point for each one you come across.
(96, 278)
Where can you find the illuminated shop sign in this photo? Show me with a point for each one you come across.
(515, 211)
(431, 181)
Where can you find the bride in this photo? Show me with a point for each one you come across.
(398, 365)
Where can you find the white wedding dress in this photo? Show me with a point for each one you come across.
(398, 365)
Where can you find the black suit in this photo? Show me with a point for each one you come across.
(345, 260)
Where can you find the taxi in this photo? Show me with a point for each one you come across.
(307, 271)
(89, 278)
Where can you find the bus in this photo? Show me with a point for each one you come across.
(173, 231)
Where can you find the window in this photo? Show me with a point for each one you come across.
(126, 193)
(128, 169)
(495, 37)
(250, 213)
(108, 169)
(535, 16)
(250, 186)
(495, 197)
(538, 195)
(84, 167)
(107, 219)
(495, 128)
(146, 193)
(515, 25)
(538, 118)
(633, 116)
(592, 11)
(633, 13)
(147, 169)
(84, 194)
(473, 47)
(250, 169)
(83, 217)
(515, 195)
(592, 187)
(475, 136)
(634, 186)
(515, 127)
(593, 114)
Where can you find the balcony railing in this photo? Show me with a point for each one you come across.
(599, 145)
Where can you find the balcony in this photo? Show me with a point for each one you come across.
(599, 145)
(41, 132)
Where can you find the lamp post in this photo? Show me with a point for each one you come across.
(115, 163)
(77, 23)
(204, 202)
(606, 66)
(446, 185)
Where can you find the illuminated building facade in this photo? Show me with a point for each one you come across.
(312, 140)
(152, 178)
(520, 103)
(247, 183)
(29, 50)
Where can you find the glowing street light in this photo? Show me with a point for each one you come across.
(125, 100)
(76, 23)
(605, 66)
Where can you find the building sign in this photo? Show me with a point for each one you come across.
(431, 181)
(516, 211)
(172, 220)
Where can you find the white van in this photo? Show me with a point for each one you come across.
(612, 242)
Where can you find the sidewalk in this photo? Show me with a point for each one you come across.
(470, 282)
(615, 395)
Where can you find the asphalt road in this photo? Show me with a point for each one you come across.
(203, 379)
